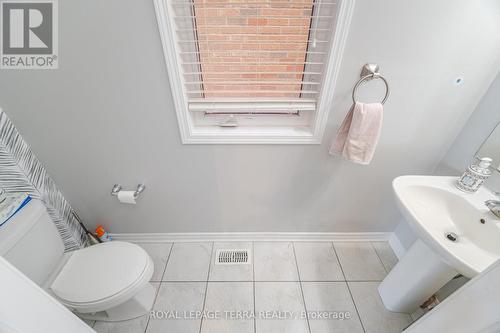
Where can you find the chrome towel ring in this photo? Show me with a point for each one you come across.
(368, 73)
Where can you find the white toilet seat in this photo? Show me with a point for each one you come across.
(102, 276)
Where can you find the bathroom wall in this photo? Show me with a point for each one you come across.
(106, 116)
(481, 123)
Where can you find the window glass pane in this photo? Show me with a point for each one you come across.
(253, 48)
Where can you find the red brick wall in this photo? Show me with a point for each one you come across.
(250, 48)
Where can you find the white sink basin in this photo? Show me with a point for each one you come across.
(433, 206)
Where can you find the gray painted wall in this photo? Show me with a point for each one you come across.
(482, 122)
(106, 116)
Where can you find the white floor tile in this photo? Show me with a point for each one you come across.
(188, 262)
(231, 292)
(281, 326)
(386, 254)
(374, 316)
(240, 272)
(231, 301)
(334, 299)
(229, 296)
(228, 326)
(317, 262)
(137, 325)
(159, 253)
(283, 298)
(156, 285)
(274, 261)
(179, 298)
(360, 261)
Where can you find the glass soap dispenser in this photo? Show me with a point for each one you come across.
(475, 175)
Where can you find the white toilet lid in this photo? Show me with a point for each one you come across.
(100, 271)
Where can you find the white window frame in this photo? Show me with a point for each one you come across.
(268, 129)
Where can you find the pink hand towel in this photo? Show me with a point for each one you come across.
(358, 135)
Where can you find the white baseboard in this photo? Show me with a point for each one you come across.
(397, 246)
(253, 236)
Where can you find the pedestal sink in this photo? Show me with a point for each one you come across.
(457, 234)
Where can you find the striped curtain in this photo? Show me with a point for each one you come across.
(21, 171)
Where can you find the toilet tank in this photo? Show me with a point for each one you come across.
(30, 242)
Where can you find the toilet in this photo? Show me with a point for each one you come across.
(107, 281)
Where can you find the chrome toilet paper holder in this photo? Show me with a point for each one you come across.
(117, 188)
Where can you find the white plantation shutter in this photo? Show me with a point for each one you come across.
(252, 56)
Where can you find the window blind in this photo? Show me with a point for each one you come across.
(253, 55)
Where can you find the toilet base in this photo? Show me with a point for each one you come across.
(137, 306)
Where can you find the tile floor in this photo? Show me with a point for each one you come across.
(285, 278)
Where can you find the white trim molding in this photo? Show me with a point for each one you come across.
(285, 134)
(254, 236)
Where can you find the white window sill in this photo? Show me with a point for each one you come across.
(250, 135)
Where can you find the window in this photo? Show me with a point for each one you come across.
(252, 71)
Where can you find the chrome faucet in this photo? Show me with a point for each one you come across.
(493, 206)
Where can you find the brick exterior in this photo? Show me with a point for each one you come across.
(252, 41)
